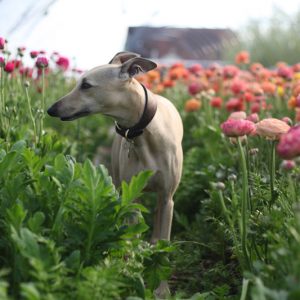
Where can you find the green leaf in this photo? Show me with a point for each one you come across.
(30, 292)
(16, 215)
(73, 260)
(133, 190)
(36, 221)
(18, 146)
(134, 230)
(7, 163)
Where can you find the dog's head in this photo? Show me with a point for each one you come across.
(101, 88)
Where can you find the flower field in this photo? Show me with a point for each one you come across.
(66, 230)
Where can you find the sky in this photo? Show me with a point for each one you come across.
(90, 32)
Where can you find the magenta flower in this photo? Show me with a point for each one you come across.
(2, 42)
(289, 143)
(63, 63)
(34, 54)
(9, 67)
(41, 62)
(298, 101)
(235, 128)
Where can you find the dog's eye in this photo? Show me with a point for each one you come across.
(85, 85)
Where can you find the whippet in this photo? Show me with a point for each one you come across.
(149, 128)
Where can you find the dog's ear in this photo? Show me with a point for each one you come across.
(122, 57)
(136, 65)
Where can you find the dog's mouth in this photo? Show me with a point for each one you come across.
(76, 116)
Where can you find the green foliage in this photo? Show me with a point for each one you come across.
(64, 229)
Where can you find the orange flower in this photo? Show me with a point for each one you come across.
(269, 87)
(292, 102)
(153, 76)
(168, 83)
(271, 128)
(242, 57)
(192, 105)
(158, 89)
(296, 90)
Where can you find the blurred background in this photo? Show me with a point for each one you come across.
(90, 32)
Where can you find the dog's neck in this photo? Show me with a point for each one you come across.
(131, 106)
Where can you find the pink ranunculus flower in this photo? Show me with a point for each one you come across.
(289, 143)
(2, 42)
(63, 63)
(42, 62)
(235, 128)
(253, 118)
(237, 115)
(271, 128)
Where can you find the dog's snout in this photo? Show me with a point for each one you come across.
(53, 110)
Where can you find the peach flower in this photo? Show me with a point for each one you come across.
(271, 128)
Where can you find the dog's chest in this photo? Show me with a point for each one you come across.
(133, 159)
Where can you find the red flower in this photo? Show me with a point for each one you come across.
(34, 54)
(2, 42)
(63, 63)
(285, 72)
(9, 67)
(26, 71)
(216, 102)
(289, 144)
(249, 97)
(238, 86)
(17, 63)
(230, 71)
(195, 88)
(41, 62)
(234, 104)
(235, 128)
(195, 69)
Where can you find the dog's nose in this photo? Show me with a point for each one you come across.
(52, 111)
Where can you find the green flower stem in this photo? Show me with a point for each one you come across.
(42, 114)
(244, 205)
(292, 188)
(31, 115)
(229, 222)
(2, 104)
(272, 173)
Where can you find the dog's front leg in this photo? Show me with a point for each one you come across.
(166, 215)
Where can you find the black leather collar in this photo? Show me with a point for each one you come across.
(147, 116)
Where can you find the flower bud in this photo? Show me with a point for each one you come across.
(232, 177)
(288, 165)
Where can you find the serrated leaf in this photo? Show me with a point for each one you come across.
(133, 190)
